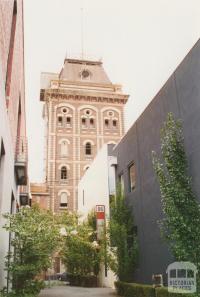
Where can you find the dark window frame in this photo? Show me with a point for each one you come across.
(131, 183)
(68, 120)
(114, 123)
(63, 173)
(88, 149)
(63, 204)
(60, 120)
(106, 123)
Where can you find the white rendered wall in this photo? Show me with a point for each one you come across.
(7, 182)
(96, 184)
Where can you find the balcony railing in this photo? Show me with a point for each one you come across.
(21, 160)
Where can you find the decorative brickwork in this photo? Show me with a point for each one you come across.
(82, 111)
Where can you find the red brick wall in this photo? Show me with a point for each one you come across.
(16, 64)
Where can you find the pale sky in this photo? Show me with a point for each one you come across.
(141, 43)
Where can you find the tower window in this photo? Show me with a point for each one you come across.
(64, 148)
(106, 122)
(88, 148)
(68, 121)
(85, 74)
(114, 123)
(110, 113)
(91, 122)
(63, 200)
(88, 112)
(63, 173)
(83, 122)
(60, 120)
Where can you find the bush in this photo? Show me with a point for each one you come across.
(89, 281)
(134, 290)
(141, 290)
(121, 288)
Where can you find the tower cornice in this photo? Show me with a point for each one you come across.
(58, 94)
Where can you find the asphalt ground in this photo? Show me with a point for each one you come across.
(68, 291)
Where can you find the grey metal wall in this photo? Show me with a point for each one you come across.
(180, 95)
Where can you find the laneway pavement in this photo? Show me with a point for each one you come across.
(68, 291)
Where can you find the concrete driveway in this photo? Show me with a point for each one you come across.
(68, 291)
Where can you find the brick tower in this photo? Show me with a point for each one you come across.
(82, 111)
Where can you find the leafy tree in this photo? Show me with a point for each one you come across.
(81, 254)
(123, 238)
(181, 223)
(34, 238)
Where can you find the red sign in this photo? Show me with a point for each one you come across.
(100, 212)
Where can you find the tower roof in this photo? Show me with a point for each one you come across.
(84, 70)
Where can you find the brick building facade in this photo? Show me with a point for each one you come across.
(82, 111)
(13, 144)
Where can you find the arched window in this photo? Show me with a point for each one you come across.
(88, 148)
(64, 148)
(63, 172)
(63, 200)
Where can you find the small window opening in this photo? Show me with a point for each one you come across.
(106, 122)
(88, 148)
(132, 176)
(68, 120)
(63, 200)
(60, 120)
(83, 122)
(63, 173)
(92, 122)
(114, 123)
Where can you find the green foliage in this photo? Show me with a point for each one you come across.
(123, 238)
(81, 254)
(34, 237)
(181, 224)
(83, 280)
(134, 290)
(140, 290)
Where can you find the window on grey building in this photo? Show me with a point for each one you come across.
(88, 148)
(63, 199)
(121, 182)
(64, 173)
(132, 176)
